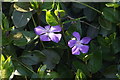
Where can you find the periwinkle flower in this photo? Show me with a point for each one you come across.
(48, 33)
(79, 45)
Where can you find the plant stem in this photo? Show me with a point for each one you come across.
(72, 19)
(23, 65)
(91, 7)
(35, 26)
(89, 24)
(42, 44)
(63, 33)
(34, 21)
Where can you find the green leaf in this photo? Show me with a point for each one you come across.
(105, 32)
(22, 6)
(9, 51)
(41, 71)
(111, 15)
(32, 58)
(115, 5)
(52, 75)
(72, 20)
(35, 5)
(107, 53)
(22, 69)
(56, 45)
(50, 19)
(52, 58)
(92, 32)
(81, 66)
(6, 39)
(6, 67)
(90, 14)
(95, 62)
(112, 37)
(61, 12)
(5, 22)
(20, 19)
(20, 42)
(105, 23)
(80, 75)
(29, 35)
(78, 5)
(64, 71)
(116, 45)
(110, 71)
(74, 27)
(21, 38)
(47, 5)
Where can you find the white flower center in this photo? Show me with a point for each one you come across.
(78, 43)
(48, 31)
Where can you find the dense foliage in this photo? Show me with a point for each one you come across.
(29, 51)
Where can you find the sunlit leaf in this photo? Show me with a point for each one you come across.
(22, 6)
(50, 19)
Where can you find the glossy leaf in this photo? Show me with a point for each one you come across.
(41, 71)
(105, 23)
(90, 14)
(22, 69)
(52, 58)
(111, 14)
(50, 19)
(52, 75)
(5, 22)
(32, 58)
(95, 62)
(116, 46)
(20, 19)
(6, 67)
(22, 6)
(81, 66)
(76, 26)
(115, 5)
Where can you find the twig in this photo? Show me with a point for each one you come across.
(91, 8)
(35, 26)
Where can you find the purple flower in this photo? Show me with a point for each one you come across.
(48, 33)
(78, 45)
(42, 1)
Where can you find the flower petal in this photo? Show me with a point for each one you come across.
(58, 36)
(75, 50)
(55, 37)
(85, 40)
(71, 43)
(39, 30)
(44, 38)
(55, 28)
(84, 48)
(47, 27)
(77, 35)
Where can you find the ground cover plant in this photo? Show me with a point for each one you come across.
(60, 40)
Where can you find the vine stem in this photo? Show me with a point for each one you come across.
(35, 26)
(91, 7)
(24, 65)
(34, 21)
(72, 19)
(63, 33)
